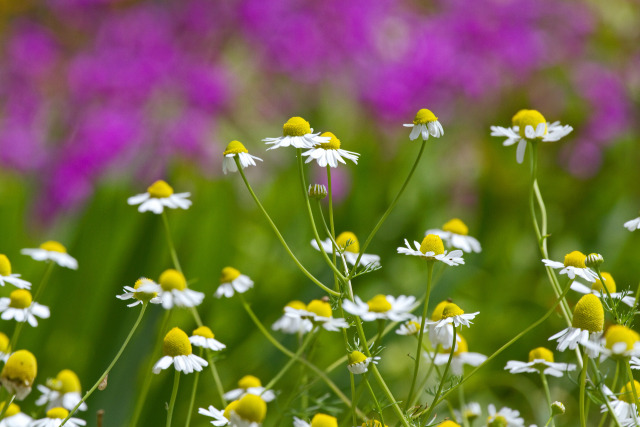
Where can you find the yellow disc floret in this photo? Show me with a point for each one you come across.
(424, 116)
(296, 126)
(251, 408)
(249, 381)
(575, 259)
(462, 346)
(451, 310)
(320, 308)
(176, 343)
(21, 368)
(20, 298)
(229, 274)
(356, 357)
(230, 407)
(437, 312)
(11, 411)
(379, 304)
(172, 279)
(530, 118)
(5, 265)
(235, 147)
(57, 413)
(589, 314)
(143, 296)
(4, 343)
(621, 334)
(203, 331)
(53, 246)
(323, 420)
(297, 305)
(626, 392)
(160, 189)
(515, 120)
(432, 243)
(608, 282)
(67, 382)
(348, 242)
(448, 423)
(541, 353)
(413, 327)
(456, 226)
(333, 144)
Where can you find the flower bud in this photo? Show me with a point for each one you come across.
(594, 260)
(557, 408)
(317, 191)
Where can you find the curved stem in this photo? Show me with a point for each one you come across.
(290, 363)
(375, 399)
(174, 254)
(547, 393)
(44, 281)
(16, 335)
(174, 394)
(444, 375)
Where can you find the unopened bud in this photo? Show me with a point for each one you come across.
(317, 191)
(557, 408)
(593, 260)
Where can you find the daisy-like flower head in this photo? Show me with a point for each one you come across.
(250, 384)
(20, 306)
(178, 352)
(359, 363)
(249, 412)
(540, 360)
(219, 417)
(144, 290)
(232, 281)
(432, 249)
(203, 337)
(52, 251)
(620, 342)
(411, 326)
(461, 357)
(425, 123)
(442, 335)
(573, 266)
(318, 420)
(320, 314)
(505, 417)
(381, 307)
(19, 373)
(623, 405)
(350, 247)
(330, 153)
(471, 411)
(633, 224)
(452, 314)
(62, 391)
(13, 417)
(608, 287)
(54, 418)
(4, 347)
(236, 148)
(586, 328)
(530, 125)
(174, 291)
(158, 196)
(290, 324)
(7, 276)
(296, 132)
(455, 233)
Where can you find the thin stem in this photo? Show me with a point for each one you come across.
(216, 379)
(463, 404)
(192, 400)
(6, 405)
(547, 393)
(373, 396)
(16, 335)
(174, 394)
(633, 387)
(583, 383)
(174, 254)
(290, 363)
(444, 375)
(44, 281)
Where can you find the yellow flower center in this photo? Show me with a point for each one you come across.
(230, 407)
(53, 246)
(356, 357)
(5, 265)
(160, 189)
(249, 381)
(530, 118)
(575, 259)
(203, 331)
(589, 314)
(515, 120)
(424, 116)
(456, 226)
(432, 243)
(448, 423)
(176, 343)
(4, 342)
(172, 279)
(65, 382)
(251, 408)
(437, 312)
(296, 126)
(320, 308)
(323, 420)
(11, 411)
(497, 421)
(413, 326)
(451, 310)
(348, 242)
(608, 282)
(379, 304)
(626, 392)
(333, 144)
(229, 274)
(541, 353)
(21, 367)
(617, 334)
(143, 296)
(298, 305)
(20, 298)
(235, 147)
(463, 347)
(58, 413)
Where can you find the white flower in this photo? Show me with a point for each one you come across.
(598, 290)
(318, 420)
(349, 247)
(411, 327)
(236, 148)
(424, 124)
(330, 153)
(540, 359)
(16, 420)
(586, 328)
(7, 276)
(510, 416)
(632, 225)
(52, 251)
(569, 338)
(461, 357)
(454, 315)
(319, 313)
(178, 352)
(232, 281)
(62, 391)
(442, 335)
(174, 291)
(54, 419)
(359, 363)
(203, 337)
(20, 306)
(296, 132)
(381, 307)
(158, 196)
(144, 290)
(217, 415)
(471, 411)
(293, 325)
(432, 249)
(454, 234)
(622, 405)
(618, 341)
(573, 266)
(250, 385)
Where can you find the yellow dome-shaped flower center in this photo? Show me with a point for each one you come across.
(58, 413)
(228, 275)
(497, 421)
(320, 308)
(5, 265)
(4, 342)
(575, 259)
(608, 282)
(66, 382)
(11, 411)
(20, 298)
(333, 144)
(251, 408)
(463, 347)
(249, 381)
(203, 331)
(456, 226)
(541, 353)
(424, 116)
(530, 118)
(348, 242)
(143, 296)
(296, 126)
(621, 334)
(297, 305)
(160, 189)
(176, 343)
(448, 423)
(589, 314)
(437, 312)
(172, 279)
(379, 304)
(626, 392)
(356, 357)
(432, 243)
(235, 147)
(515, 120)
(323, 420)
(413, 326)
(21, 367)
(230, 407)
(53, 246)
(451, 310)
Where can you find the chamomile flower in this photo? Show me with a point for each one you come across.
(350, 248)
(54, 418)
(505, 417)
(470, 411)
(13, 417)
(232, 281)
(174, 291)
(442, 335)
(330, 153)
(290, 324)
(19, 373)
(573, 266)
(62, 391)
(381, 307)
(4, 347)
(160, 195)
(461, 357)
(220, 418)
(452, 314)
(432, 249)
(358, 363)
(620, 342)
(598, 289)
(236, 148)
(411, 326)
(250, 385)
(296, 132)
(540, 360)
(20, 306)
(530, 125)
(203, 337)
(52, 251)
(455, 233)
(320, 314)
(250, 411)
(425, 123)
(143, 290)
(177, 351)
(7, 276)
(318, 420)
(623, 405)
(633, 224)
(586, 327)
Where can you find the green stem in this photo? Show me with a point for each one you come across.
(44, 281)
(444, 375)
(6, 405)
(16, 335)
(633, 387)
(216, 379)
(583, 384)
(373, 396)
(174, 394)
(547, 393)
(174, 254)
(290, 363)
(463, 404)
(192, 400)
